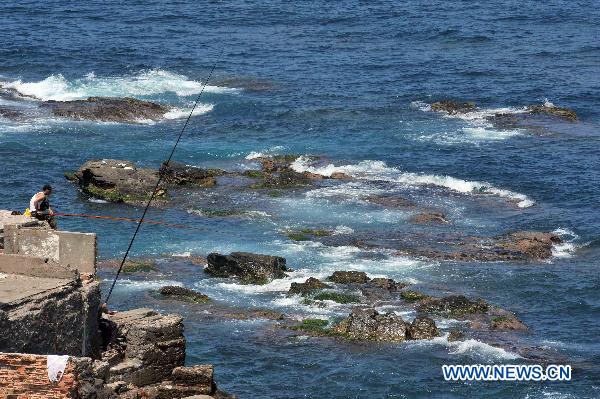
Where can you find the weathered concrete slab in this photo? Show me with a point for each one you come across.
(70, 249)
(35, 267)
(15, 288)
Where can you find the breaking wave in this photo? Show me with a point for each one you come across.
(144, 83)
(378, 170)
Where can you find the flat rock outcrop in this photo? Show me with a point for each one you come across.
(108, 109)
(247, 267)
(122, 181)
(453, 107)
(453, 305)
(309, 286)
(182, 294)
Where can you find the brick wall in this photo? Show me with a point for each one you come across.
(24, 376)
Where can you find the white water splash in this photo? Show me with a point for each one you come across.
(567, 248)
(378, 170)
(145, 83)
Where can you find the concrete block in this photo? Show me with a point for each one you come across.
(35, 267)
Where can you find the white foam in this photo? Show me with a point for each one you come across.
(146, 284)
(265, 153)
(339, 230)
(378, 170)
(144, 83)
(179, 113)
(473, 348)
(567, 248)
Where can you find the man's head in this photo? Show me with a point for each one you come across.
(47, 189)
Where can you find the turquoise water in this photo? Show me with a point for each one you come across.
(349, 82)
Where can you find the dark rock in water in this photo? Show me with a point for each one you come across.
(507, 322)
(386, 284)
(429, 218)
(530, 244)
(368, 324)
(340, 176)
(108, 109)
(118, 181)
(277, 163)
(454, 305)
(249, 268)
(283, 179)
(380, 289)
(183, 294)
(310, 285)
(455, 335)
(390, 201)
(11, 113)
(348, 277)
(453, 107)
(422, 328)
(551, 110)
(185, 175)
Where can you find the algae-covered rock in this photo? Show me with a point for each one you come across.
(348, 277)
(183, 294)
(309, 286)
(453, 107)
(422, 327)
(453, 305)
(185, 175)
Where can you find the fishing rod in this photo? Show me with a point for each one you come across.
(160, 178)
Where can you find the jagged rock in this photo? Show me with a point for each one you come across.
(118, 181)
(390, 201)
(183, 294)
(422, 328)
(453, 107)
(380, 288)
(309, 286)
(529, 244)
(340, 176)
(11, 113)
(507, 322)
(368, 324)
(454, 305)
(413, 296)
(108, 109)
(249, 268)
(349, 277)
(429, 218)
(185, 175)
(551, 110)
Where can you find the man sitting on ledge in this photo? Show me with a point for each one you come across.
(39, 206)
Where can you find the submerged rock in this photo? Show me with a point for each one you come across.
(390, 201)
(348, 277)
(309, 286)
(453, 107)
(507, 322)
(11, 113)
(108, 109)
(283, 179)
(453, 305)
(183, 294)
(249, 268)
(429, 218)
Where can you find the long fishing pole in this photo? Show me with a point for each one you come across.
(160, 177)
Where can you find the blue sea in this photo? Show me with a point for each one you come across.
(350, 82)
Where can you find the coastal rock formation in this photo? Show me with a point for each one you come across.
(108, 109)
(454, 305)
(122, 181)
(349, 277)
(522, 246)
(552, 110)
(249, 268)
(309, 286)
(453, 107)
(370, 325)
(390, 201)
(183, 294)
(118, 181)
(185, 175)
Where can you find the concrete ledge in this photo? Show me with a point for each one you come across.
(35, 267)
(71, 249)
